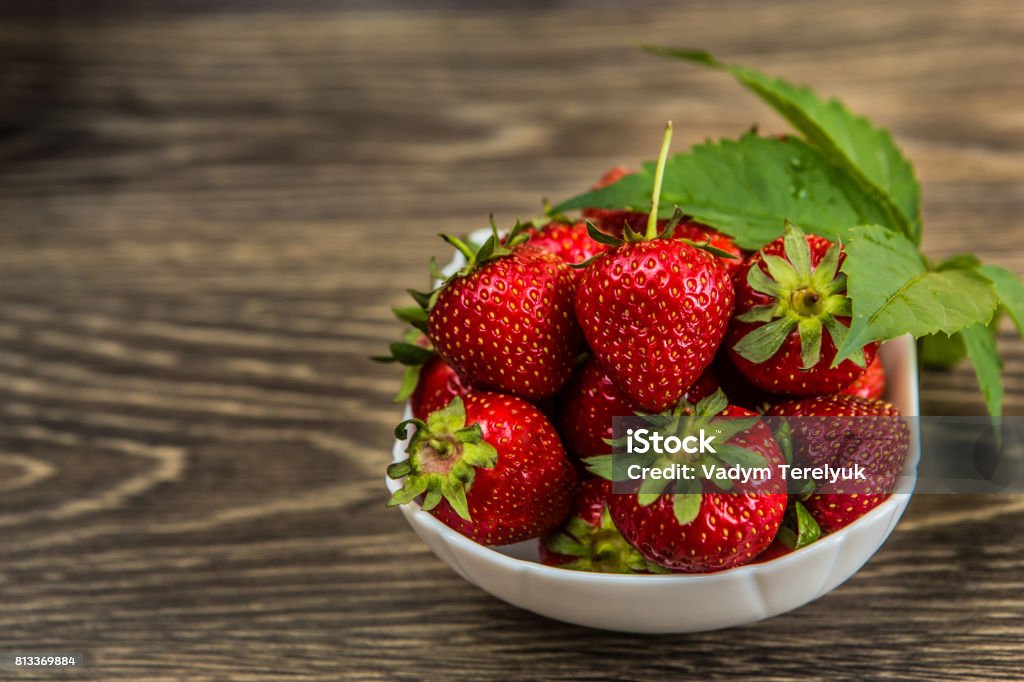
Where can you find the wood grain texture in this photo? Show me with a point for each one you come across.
(206, 210)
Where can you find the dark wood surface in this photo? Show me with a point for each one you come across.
(206, 210)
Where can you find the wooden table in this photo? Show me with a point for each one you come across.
(205, 213)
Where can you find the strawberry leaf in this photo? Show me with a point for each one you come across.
(1010, 292)
(867, 153)
(980, 343)
(784, 437)
(798, 528)
(894, 293)
(747, 188)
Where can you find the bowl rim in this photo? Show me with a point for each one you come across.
(899, 498)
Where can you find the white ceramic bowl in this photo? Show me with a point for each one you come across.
(681, 603)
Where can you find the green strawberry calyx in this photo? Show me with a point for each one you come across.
(682, 421)
(412, 352)
(805, 298)
(599, 549)
(798, 528)
(495, 246)
(444, 453)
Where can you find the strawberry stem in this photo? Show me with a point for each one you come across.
(806, 302)
(659, 173)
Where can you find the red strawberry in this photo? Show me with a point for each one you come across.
(792, 313)
(437, 385)
(589, 541)
(490, 466)
(505, 321)
(654, 313)
(870, 384)
(696, 526)
(841, 431)
(587, 407)
(569, 241)
(591, 400)
(654, 310)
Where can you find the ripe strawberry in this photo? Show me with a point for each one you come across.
(696, 526)
(591, 400)
(569, 241)
(870, 384)
(654, 310)
(844, 430)
(792, 313)
(589, 541)
(505, 321)
(490, 466)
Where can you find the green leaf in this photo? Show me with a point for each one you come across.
(747, 188)
(799, 528)
(939, 351)
(867, 153)
(981, 349)
(961, 261)
(784, 437)
(893, 292)
(1010, 292)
